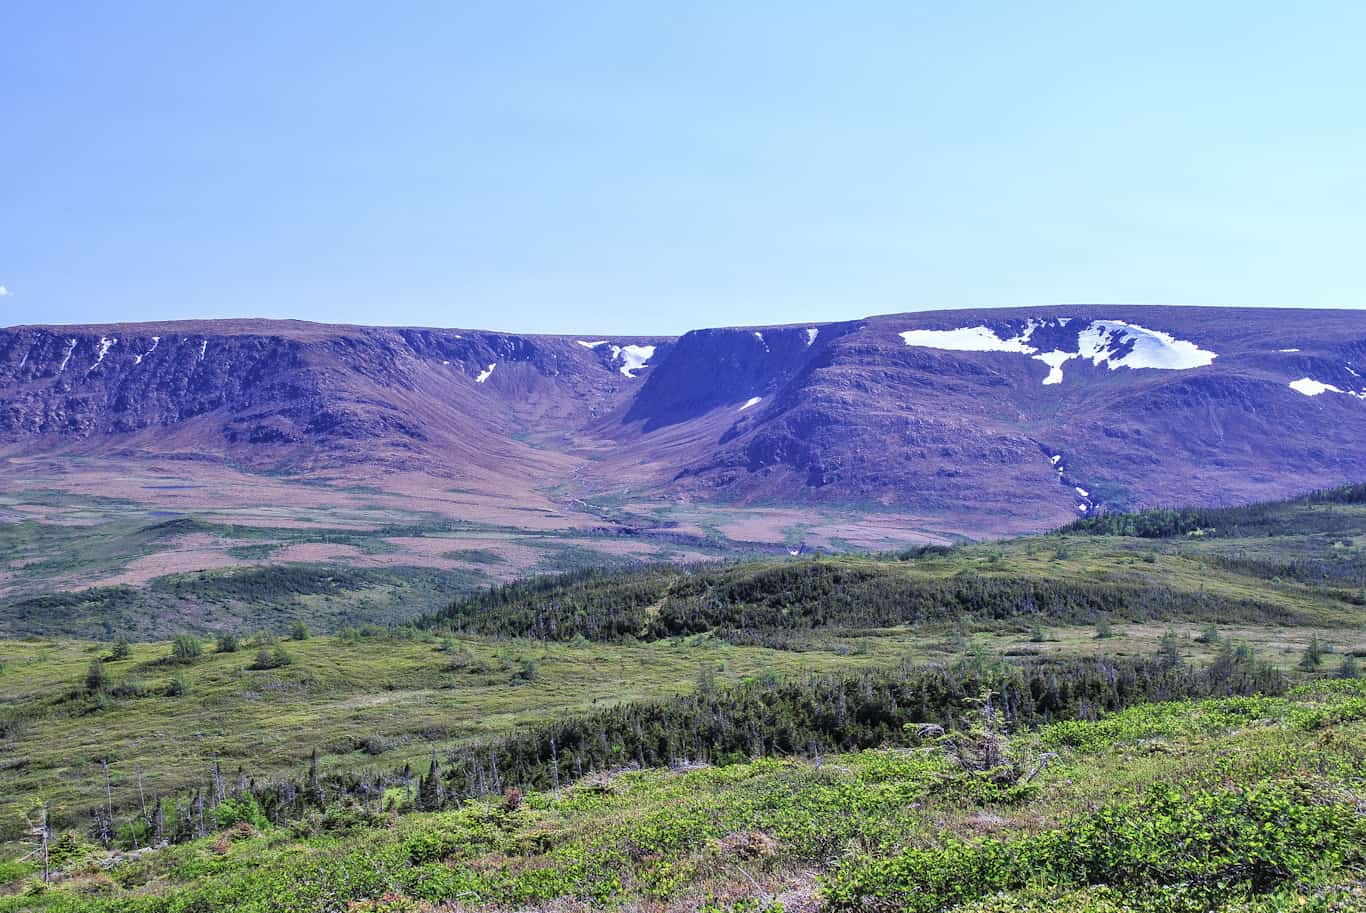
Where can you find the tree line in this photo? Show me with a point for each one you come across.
(736, 601)
(1262, 519)
(806, 716)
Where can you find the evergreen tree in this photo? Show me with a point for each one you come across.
(431, 792)
(122, 649)
(1313, 655)
(95, 677)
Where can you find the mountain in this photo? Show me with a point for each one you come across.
(990, 419)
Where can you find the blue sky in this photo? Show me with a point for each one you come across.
(649, 168)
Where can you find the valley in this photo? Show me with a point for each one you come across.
(585, 689)
(894, 614)
(143, 453)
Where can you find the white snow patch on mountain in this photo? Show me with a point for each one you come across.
(1114, 343)
(811, 335)
(1150, 348)
(485, 374)
(1287, 350)
(203, 347)
(968, 339)
(1082, 491)
(156, 341)
(1310, 387)
(23, 361)
(1055, 360)
(70, 347)
(763, 342)
(752, 401)
(1083, 508)
(106, 343)
(1055, 459)
(634, 358)
(1350, 371)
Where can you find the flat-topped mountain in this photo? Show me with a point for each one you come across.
(1033, 415)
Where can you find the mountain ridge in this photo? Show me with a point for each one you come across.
(939, 411)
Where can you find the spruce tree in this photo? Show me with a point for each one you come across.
(1313, 655)
(430, 791)
(95, 677)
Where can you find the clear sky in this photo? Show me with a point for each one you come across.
(643, 167)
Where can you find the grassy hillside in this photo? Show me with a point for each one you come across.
(1246, 804)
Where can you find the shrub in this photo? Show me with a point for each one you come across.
(122, 649)
(186, 648)
(299, 631)
(129, 687)
(272, 659)
(242, 810)
(177, 686)
(227, 642)
(1213, 846)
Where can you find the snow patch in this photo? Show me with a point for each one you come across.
(1350, 371)
(1055, 360)
(1083, 507)
(106, 343)
(1287, 350)
(811, 335)
(632, 357)
(752, 401)
(485, 374)
(23, 361)
(156, 341)
(968, 339)
(1100, 341)
(1055, 459)
(70, 347)
(635, 358)
(1082, 491)
(1310, 387)
(763, 342)
(1150, 348)
(203, 347)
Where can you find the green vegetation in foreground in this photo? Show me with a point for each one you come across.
(1236, 804)
(378, 699)
(1277, 775)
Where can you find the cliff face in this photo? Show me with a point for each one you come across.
(282, 395)
(1043, 414)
